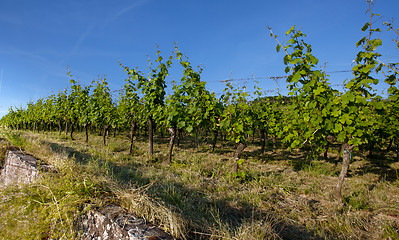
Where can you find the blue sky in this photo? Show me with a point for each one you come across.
(229, 39)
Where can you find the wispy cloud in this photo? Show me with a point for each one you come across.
(15, 51)
(35, 58)
(78, 43)
(112, 17)
(1, 79)
(124, 10)
(82, 38)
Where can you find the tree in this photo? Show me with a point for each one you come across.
(60, 108)
(355, 116)
(49, 111)
(317, 109)
(311, 119)
(102, 108)
(73, 103)
(129, 107)
(392, 104)
(236, 119)
(174, 116)
(83, 104)
(153, 90)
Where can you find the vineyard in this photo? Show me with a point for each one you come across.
(317, 163)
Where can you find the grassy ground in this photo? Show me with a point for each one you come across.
(280, 196)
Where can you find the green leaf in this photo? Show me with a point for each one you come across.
(295, 143)
(296, 77)
(361, 41)
(240, 161)
(313, 60)
(366, 69)
(312, 104)
(378, 105)
(348, 121)
(350, 84)
(181, 124)
(364, 28)
(341, 137)
(360, 99)
(336, 112)
(189, 129)
(351, 97)
(345, 99)
(318, 90)
(290, 30)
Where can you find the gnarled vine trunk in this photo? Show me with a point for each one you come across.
(240, 148)
(215, 137)
(371, 147)
(150, 137)
(105, 132)
(72, 128)
(346, 156)
(389, 144)
(196, 138)
(86, 132)
(179, 136)
(59, 126)
(66, 128)
(263, 137)
(274, 144)
(43, 126)
(132, 130)
(172, 131)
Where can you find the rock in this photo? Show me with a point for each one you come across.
(20, 168)
(113, 222)
(106, 223)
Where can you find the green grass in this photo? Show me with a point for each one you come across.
(49, 207)
(280, 196)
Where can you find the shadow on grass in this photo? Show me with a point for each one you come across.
(379, 164)
(269, 155)
(79, 156)
(193, 204)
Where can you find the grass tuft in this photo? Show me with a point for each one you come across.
(281, 195)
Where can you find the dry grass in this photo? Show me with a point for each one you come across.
(280, 196)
